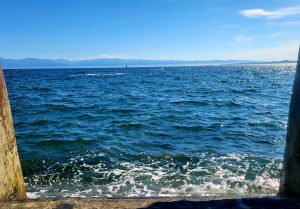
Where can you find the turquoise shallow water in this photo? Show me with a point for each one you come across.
(209, 130)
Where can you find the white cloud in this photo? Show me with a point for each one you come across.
(291, 23)
(271, 14)
(284, 51)
(111, 56)
(276, 34)
(240, 39)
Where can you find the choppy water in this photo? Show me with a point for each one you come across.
(208, 130)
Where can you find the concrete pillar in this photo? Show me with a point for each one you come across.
(290, 181)
(11, 177)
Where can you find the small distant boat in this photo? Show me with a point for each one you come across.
(126, 66)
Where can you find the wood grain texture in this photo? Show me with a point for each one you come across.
(11, 177)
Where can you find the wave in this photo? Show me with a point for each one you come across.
(233, 103)
(131, 126)
(57, 142)
(158, 175)
(98, 74)
(268, 124)
(39, 122)
(125, 110)
(190, 128)
(157, 134)
(191, 102)
(59, 107)
(37, 88)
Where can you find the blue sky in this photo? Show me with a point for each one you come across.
(151, 29)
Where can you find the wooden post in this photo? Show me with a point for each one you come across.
(290, 181)
(11, 177)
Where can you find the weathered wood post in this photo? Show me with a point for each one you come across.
(11, 177)
(290, 181)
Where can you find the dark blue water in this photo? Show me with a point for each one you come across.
(210, 130)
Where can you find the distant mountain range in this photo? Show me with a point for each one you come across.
(103, 62)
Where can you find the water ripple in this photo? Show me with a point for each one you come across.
(205, 130)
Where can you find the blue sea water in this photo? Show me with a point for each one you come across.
(115, 132)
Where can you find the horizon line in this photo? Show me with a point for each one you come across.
(144, 59)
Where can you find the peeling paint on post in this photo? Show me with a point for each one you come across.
(290, 181)
(11, 177)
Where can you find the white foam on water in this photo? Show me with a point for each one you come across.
(210, 176)
(33, 195)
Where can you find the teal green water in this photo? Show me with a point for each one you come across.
(115, 132)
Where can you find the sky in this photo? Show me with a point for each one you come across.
(150, 29)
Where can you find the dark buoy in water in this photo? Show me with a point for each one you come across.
(290, 180)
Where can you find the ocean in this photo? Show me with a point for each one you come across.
(153, 131)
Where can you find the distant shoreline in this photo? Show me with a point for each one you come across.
(33, 63)
(146, 66)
